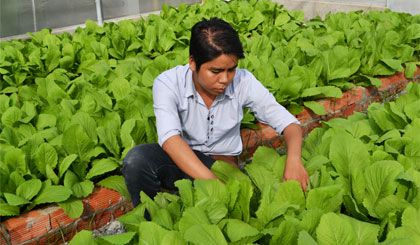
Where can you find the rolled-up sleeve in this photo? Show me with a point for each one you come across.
(165, 103)
(265, 107)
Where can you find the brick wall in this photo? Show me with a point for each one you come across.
(50, 225)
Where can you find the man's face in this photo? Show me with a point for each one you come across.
(214, 76)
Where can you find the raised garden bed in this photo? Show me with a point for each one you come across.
(50, 225)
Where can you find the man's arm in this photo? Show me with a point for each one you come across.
(294, 169)
(184, 157)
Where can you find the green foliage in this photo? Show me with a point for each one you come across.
(360, 192)
(72, 105)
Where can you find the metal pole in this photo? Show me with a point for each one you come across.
(34, 16)
(99, 12)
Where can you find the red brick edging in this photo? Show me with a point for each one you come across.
(51, 225)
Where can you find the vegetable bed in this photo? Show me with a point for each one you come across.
(364, 189)
(72, 105)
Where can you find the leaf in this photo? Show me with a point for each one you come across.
(411, 68)
(46, 121)
(16, 159)
(15, 200)
(239, 231)
(261, 176)
(116, 183)
(265, 156)
(149, 75)
(83, 188)
(88, 124)
(257, 18)
(348, 153)
(282, 19)
(380, 182)
(151, 233)
(393, 64)
(29, 188)
(333, 229)
(8, 210)
(109, 139)
(305, 239)
(366, 233)
(101, 166)
(409, 228)
(326, 198)
(412, 110)
(226, 171)
(75, 141)
(79, 188)
(123, 238)
(45, 155)
(315, 107)
(53, 58)
(73, 207)
(192, 216)
(205, 234)
(186, 192)
(83, 237)
(51, 194)
(11, 116)
(65, 164)
(51, 175)
(286, 233)
(290, 192)
(120, 88)
(324, 91)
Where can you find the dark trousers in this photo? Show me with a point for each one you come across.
(148, 168)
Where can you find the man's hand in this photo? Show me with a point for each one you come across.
(294, 169)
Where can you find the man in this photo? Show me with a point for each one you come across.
(199, 108)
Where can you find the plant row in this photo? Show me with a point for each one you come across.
(72, 105)
(364, 189)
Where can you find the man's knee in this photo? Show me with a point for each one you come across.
(135, 158)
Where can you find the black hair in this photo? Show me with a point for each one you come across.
(212, 38)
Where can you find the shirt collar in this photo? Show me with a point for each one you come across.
(191, 91)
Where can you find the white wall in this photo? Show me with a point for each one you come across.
(406, 6)
(313, 8)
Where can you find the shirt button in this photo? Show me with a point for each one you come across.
(211, 122)
(212, 116)
(211, 129)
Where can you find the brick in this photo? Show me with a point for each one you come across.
(101, 198)
(328, 105)
(249, 138)
(417, 72)
(100, 219)
(267, 132)
(386, 83)
(356, 95)
(28, 226)
(371, 91)
(348, 111)
(84, 224)
(397, 77)
(59, 219)
(51, 238)
(304, 116)
(401, 86)
(313, 125)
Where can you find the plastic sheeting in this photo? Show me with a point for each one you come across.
(22, 16)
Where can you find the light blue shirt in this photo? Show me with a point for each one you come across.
(180, 110)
